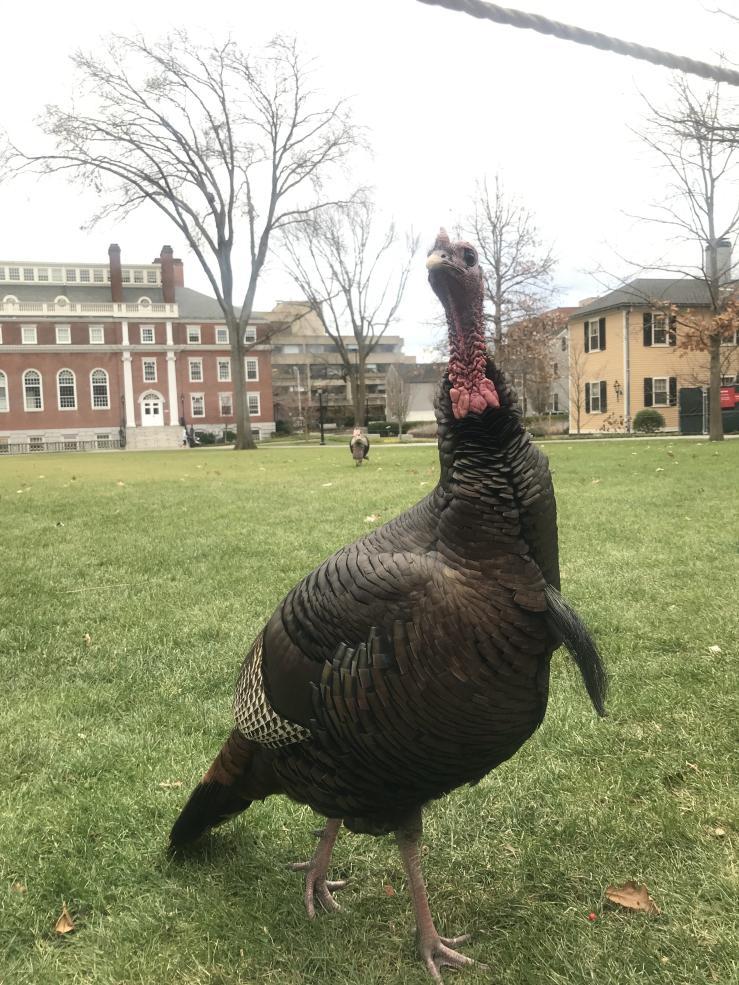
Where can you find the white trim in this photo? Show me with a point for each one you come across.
(4, 386)
(193, 398)
(591, 347)
(195, 361)
(68, 340)
(33, 410)
(147, 328)
(124, 333)
(101, 340)
(168, 333)
(254, 397)
(666, 380)
(196, 330)
(223, 360)
(152, 396)
(145, 360)
(99, 369)
(250, 334)
(172, 389)
(592, 384)
(65, 369)
(221, 328)
(230, 398)
(128, 401)
(255, 378)
(29, 328)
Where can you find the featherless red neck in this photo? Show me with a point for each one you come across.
(455, 276)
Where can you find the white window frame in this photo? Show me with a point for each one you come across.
(666, 401)
(33, 410)
(222, 331)
(199, 364)
(1, 334)
(222, 362)
(250, 334)
(595, 387)
(594, 346)
(4, 399)
(65, 369)
(144, 377)
(200, 398)
(95, 329)
(146, 329)
(255, 377)
(61, 330)
(36, 442)
(254, 398)
(195, 331)
(29, 335)
(99, 369)
(229, 397)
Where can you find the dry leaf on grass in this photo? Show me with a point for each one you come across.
(372, 518)
(87, 639)
(633, 896)
(170, 784)
(65, 924)
(389, 891)
(18, 887)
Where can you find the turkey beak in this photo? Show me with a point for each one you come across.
(436, 259)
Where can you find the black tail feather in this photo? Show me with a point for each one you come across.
(210, 804)
(573, 634)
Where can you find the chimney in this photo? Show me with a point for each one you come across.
(168, 276)
(116, 277)
(723, 260)
(179, 273)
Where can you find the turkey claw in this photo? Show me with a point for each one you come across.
(438, 952)
(318, 887)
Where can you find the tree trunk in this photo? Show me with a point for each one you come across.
(244, 437)
(715, 423)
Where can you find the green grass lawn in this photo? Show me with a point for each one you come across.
(132, 585)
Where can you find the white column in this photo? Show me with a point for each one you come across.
(174, 417)
(128, 389)
(168, 326)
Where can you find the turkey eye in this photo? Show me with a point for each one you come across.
(469, 256)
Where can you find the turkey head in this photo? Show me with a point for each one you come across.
(456, 278)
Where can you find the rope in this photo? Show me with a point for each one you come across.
(534, 22)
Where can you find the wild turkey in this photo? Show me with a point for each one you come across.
(359, 446)
(417, 658)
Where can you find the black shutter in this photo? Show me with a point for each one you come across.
(603, 396)
(672, 334)
(602, 333)
(648, 400)
(673, 391)
(587, 398)
(587, 338)
(647, 316)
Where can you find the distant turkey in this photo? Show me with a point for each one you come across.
(417, 658)
(359, 446)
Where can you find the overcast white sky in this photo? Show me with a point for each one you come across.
(447, 99)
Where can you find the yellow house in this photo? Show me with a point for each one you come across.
(625, 354)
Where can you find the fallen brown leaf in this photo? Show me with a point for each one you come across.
(18, 887)
(633, 896)
(87, 639)
(389, 891)
(65, 924)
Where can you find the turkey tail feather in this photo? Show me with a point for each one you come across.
(218, 796)
(573, 634)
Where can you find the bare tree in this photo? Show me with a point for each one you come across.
(516, 266)
(578, 375)
(354, 279)
(397, 397)
(527, 353)
(227, 145)
(691, 139)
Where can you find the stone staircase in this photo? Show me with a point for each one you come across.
(141, 438)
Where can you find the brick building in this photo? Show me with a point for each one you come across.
(110, 354)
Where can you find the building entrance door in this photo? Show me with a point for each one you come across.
(152, 411)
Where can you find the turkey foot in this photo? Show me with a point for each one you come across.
(317, 887)
(436, 952)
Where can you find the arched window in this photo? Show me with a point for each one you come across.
(66, 389)
(3, 391)
(99, 388)
(32, 394)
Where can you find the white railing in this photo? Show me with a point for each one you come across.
(91, 309)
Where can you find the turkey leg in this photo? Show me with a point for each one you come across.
(436, 952)
(316, 884)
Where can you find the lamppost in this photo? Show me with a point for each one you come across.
(300, 402)
(320, 415)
